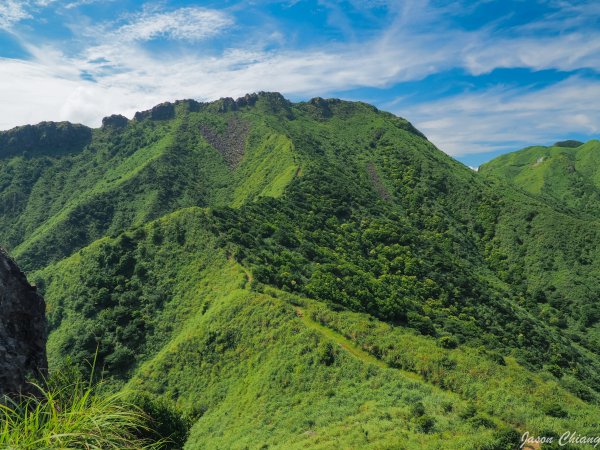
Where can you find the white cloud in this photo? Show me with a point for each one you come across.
(43, 3)
(564, 52)
(33, 94)
(491, 120)
(11, 12)
(190, 24)
(78, 3)
(130, 79)
(14, 11)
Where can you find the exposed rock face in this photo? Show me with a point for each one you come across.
(22, 330)
(272, 102)
(164, 111)
(231, 143)
(116, 121)
(190, 105)
(322, 106)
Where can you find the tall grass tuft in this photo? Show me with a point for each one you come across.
(71, 413)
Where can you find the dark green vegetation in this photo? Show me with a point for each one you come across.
(313, 275)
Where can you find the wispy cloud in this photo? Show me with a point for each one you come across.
(190, 24)
(77, 3)
(566, 52)
(11, 12)
(494, 119)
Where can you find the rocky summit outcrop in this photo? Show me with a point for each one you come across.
(164, 111)
(44, 139)
(115, 122)
(22, 330)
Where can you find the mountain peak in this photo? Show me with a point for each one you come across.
(115, 121)
(162, 111)
(272, 101)
(48, 138)
(569, 143)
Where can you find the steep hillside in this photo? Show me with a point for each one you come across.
(176, 155)
(258, 366)
(550, 252)
(282, 272)
(566, 174)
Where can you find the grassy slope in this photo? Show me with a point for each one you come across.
(368, 217)
(126, 177)
(549, 253)
(487, 242)
(568, 177)
(257, 373)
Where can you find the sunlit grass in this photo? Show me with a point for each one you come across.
(71, 413)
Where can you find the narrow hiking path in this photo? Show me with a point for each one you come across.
(249, 277)
(247, 273)
(332, 335)
(346, 344)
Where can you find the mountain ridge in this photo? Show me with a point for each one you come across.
(241, 249)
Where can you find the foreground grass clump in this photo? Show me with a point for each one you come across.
(70, 413)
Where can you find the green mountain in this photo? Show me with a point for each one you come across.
(308, 275)
(566, 174)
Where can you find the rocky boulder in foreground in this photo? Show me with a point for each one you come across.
(22, 330)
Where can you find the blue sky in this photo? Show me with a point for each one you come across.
(479, 78)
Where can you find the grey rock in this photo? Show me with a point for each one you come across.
(164, 111)
(115, 122)
(23, 331)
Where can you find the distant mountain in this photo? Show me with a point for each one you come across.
(566, 174)
(314, 275)
(568, 143)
